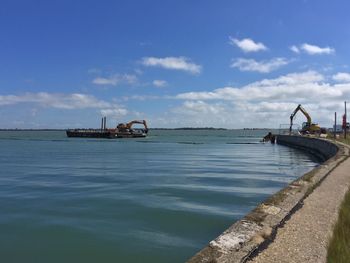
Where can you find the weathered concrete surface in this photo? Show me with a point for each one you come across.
(322, 148)
(258, 228)
(304, 237)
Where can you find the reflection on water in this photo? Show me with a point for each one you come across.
(157, 199)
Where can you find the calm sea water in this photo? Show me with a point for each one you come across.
(155, 199)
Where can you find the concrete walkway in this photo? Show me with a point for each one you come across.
(304, 237)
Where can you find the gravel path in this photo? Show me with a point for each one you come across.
(304, 237)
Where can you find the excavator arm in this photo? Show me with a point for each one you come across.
(299, 108)
(128, 126)
(309, 126)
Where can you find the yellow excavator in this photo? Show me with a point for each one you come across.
(308, 127)
(127, 127)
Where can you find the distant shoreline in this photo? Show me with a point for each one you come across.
(170, 129)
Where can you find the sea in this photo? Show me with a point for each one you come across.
(156, 199)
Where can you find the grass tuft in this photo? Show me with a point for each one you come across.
(339, 246)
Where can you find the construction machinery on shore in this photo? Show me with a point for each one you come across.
(308, 127)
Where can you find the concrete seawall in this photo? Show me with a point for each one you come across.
(322, 148)
(250, 234)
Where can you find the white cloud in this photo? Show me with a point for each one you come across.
(141, 97)
(199, 114)
(315, 50)
(114, 112)
(64, 101)
(130, 79)
(248, 45)
(174, 63)
(259, 66)
(295, 49)
(342, 77)
(293, 86)
(53, 100)
(265, 103)
(292, 79)
(312, 49)
(104, 81)
(116, 79)
(194, 107)
(160, 83)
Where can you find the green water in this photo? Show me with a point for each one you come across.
(157, 199)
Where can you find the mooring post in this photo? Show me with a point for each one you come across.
(345, 124)
(335, 124)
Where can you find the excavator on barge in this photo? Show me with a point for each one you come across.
(123, 130)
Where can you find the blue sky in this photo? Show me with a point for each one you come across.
(231, 64)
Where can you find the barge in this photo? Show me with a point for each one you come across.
(121, 131)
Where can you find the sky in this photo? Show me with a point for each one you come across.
(175, 63)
